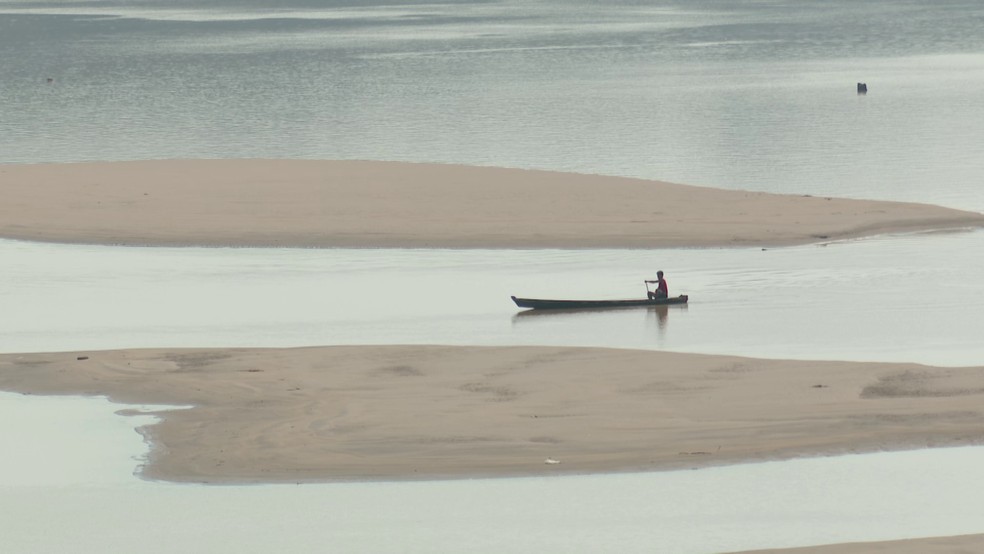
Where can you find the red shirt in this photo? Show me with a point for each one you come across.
(661, 289)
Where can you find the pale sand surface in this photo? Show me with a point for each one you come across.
(367, 412)
(389, 204)
(964, 544)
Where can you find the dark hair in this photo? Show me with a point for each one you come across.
(659, 273)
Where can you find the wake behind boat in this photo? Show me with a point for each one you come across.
(543, 304)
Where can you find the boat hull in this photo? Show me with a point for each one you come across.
(542, 304)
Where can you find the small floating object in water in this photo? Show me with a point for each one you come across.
(551, 461)
(862, 88)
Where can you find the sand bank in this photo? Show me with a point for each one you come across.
(388, 204)
(368, 412)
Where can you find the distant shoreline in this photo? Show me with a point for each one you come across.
(359, 204)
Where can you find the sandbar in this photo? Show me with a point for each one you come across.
(367, 204)
(396, 412)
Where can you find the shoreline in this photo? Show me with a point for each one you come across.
(361, 204)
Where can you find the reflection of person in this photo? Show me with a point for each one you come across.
(661, 313)
(661, 289)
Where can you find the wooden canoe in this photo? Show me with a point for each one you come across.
(541, 304)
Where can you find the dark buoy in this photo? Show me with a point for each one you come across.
(862, 88)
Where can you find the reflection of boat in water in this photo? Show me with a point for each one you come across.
(542, 304)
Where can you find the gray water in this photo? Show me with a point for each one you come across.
(738, 94)
(895, 298)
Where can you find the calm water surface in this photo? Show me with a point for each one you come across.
(732, 94)
(882, 299)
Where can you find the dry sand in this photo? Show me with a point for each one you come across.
(366, 412)
(388, 204)
(352, 412)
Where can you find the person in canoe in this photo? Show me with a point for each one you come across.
(661, 289)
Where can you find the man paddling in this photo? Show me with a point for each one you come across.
(661, 290)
